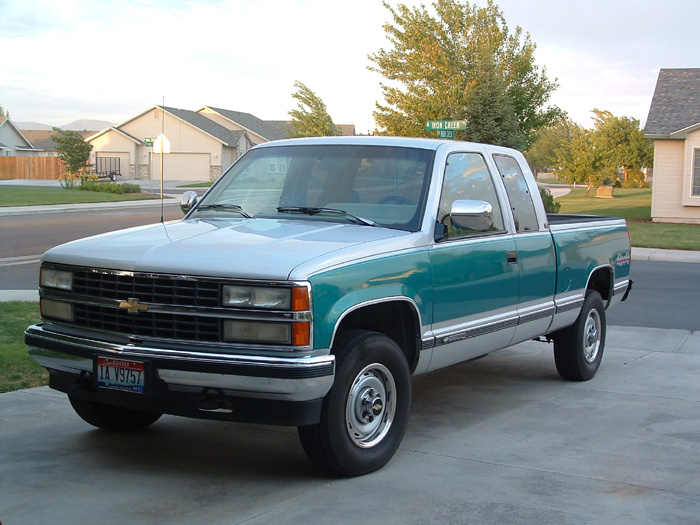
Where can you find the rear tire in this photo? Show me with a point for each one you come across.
(578, 349)
(110, 417)
(365, 414)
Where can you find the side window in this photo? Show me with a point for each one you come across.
(468, 178)
(518, 193)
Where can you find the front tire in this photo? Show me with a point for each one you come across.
(578, 349)
(365, 414)
(110, 417)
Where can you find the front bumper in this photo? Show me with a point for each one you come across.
(205, 384)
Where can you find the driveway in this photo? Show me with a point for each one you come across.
(499, 440)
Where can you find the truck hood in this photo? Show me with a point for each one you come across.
(246, 248)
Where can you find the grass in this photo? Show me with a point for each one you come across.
(24, 196)
(197, 185)
(17, 369)
(635, 206)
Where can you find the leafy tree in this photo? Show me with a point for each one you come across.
(461, 64)
(580, 161)
(73, 151)
(311, 119)
(4, 111)
(542, 154)
(621, 142)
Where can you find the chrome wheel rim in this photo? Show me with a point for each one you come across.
(369, 411)
(591, 336)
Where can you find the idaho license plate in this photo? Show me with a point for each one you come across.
(121, 374)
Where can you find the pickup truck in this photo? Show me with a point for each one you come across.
(314, 279)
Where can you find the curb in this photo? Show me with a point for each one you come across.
(170, 200)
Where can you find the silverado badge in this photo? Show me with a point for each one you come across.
(133, 306)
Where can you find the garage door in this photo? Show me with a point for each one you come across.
(182, 166)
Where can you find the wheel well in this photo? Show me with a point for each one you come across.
(601, 281)
(395, 319)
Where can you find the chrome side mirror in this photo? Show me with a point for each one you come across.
(187, 201)
(472, 215)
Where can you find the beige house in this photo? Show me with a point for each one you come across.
(674, 126)
(200, 149)
(203, 144)
(13, 143)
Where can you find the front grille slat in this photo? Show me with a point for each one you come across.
(147, 289)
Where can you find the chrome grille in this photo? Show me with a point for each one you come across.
(147, 289)
(148, 324)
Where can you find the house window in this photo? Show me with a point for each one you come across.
(696, 173)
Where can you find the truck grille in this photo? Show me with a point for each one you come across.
(147, 289)
(147, 324)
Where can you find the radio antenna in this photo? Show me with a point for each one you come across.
(162, 134)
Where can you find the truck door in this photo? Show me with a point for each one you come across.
(475, 282)
(535, 253)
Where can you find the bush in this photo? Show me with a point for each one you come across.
(109, 187)
(550, 205)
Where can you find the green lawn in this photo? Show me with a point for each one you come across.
(17, 369)
(27, 196)
(197, 185)
(635, 206)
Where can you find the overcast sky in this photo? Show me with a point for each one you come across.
(112, 59)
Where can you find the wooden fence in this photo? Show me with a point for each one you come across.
(40, 168)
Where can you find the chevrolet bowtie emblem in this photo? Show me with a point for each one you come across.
(133, 306)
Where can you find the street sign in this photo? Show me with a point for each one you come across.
(148, 141)
(446, 134)
(439, 125)
(161, 144)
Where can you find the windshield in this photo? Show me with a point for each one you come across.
(361, 184)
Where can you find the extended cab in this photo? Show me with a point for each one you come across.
(314, 279)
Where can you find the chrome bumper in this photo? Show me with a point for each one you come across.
(268, 378)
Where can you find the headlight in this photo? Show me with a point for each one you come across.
(255, 332)
(56, 309)
(257, 297)
(56, 279)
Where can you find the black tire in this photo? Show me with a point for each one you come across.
(578, 349)
(365, 414)
(109, 417)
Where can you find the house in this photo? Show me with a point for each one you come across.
(42, 139)
(200, 148)
(203, 143)
(674, 126)
(13, 143)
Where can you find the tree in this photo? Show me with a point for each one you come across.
(4, 112)
(311, 119)
(542, 155)
(462, 64)
(621, 142)
(73, 151)
(580, 161)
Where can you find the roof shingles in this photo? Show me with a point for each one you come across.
(676, 102)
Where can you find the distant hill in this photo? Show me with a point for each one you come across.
(78, 125)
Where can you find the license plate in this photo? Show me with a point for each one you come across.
(121, 374)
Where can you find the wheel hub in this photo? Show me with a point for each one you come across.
(370, 406)
(591, 336)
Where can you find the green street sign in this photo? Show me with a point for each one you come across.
(440, 125)
(446, 134)
(148, 141)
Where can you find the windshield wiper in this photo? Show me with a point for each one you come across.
(308, 210)
(233, 207)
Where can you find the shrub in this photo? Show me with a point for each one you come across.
(550, 205)
(109, 187)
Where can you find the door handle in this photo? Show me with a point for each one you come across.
(512, 257)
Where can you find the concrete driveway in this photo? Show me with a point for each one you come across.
(500, 440)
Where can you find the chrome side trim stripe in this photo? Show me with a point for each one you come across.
(621, 287)
(569, 303)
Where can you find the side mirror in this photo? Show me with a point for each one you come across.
(187, 201)
(472, 215)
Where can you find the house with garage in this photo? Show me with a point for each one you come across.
(200, 148)
(674, 126)
(13, 143)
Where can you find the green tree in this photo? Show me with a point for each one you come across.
(74, 152)
(621, 142)
(580, 161)
(542, 155)
(311, 119)
(461, 64)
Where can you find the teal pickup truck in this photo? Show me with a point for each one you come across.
(314, 279)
